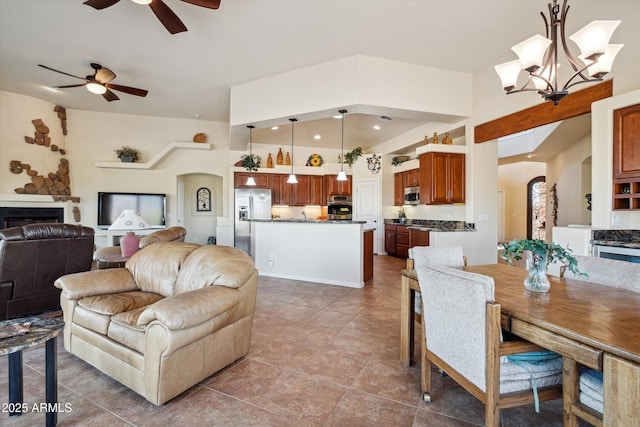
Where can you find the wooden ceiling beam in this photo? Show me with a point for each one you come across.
(574, 104)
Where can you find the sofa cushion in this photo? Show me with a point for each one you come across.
(156, 267)
(214, 265)
(125, 330)
(167, 235)
(111, 304)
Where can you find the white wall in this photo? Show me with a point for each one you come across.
(566, 171)
(200, 224)
(513, 179)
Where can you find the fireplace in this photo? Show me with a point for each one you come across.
(15, 217)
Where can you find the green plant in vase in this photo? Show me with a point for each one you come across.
(251, 162)
(539, 255)
(127, 154)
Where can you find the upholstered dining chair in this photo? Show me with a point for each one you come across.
(462, 336)
(584, 387)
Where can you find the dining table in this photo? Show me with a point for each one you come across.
(593, 325)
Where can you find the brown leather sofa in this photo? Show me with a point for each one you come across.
(32, 257)
(171, 234)
(174, 315)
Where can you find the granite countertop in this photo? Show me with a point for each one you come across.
(310, 221)
(616, 243)
(433, 225)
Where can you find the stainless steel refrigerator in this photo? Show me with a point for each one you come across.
(249, 204)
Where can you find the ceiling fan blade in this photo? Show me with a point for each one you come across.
(61, 72)
(210, 4)
(169, 19)
(104, 75)
(67, 86)
(100, 4)
(110, 96)
(127, 89)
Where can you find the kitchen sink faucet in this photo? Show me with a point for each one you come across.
(304, 215)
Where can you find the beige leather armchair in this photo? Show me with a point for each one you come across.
(171, 234)
(174, 315)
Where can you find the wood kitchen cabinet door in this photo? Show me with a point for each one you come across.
(301, 192)
(398, 188)
(412, 178)
(390, 239)
(402, 241)
(317, 196)
(626, 142)
(280, 190)
(334, 187)
(262, 180)
(442, 178)
(418, 238)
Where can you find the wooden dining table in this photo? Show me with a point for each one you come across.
(596, 326)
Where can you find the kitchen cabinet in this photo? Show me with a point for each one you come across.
(442, 178)
(332, 186)
(240, 180)
(398, 239)
(402, 180)
(280, 190)
(367, 261)
(301, 192)
(418, 238)
(402, 241)
(316, 189)
(626, 158)
(390, 239)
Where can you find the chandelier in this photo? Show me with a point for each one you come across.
(538, 56)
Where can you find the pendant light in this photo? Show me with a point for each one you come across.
(292, 177)
(341, 175)
(251, 181)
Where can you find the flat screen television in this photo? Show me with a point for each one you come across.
(150, 206)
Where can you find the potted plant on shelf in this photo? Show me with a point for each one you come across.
(539, 255)
(127, 154)
(251, 162)
(352, 156)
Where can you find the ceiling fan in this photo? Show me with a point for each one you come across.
(98, 83)
(169, 19)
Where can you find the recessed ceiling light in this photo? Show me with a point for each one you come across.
(316, 137)
(376, 127)
(196, 115)
(274, 128)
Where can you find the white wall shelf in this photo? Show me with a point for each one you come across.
(157, 158)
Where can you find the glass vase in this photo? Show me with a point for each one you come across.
(536, 280)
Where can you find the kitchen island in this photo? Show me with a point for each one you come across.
(331, 252)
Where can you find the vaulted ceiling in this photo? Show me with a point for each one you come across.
(189, 74)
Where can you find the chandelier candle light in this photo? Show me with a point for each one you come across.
(292, 177)
(538, 56)
(341, 175)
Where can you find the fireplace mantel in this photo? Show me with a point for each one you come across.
(37, 201)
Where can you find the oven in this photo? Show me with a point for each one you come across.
(617, 252)
(339, 208)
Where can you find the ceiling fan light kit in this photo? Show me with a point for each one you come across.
(165, 15)
(98, 83)
(342, 176)
(292, 177)
(538, 56)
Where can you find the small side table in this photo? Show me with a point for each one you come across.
(42, 330)
(116, 259)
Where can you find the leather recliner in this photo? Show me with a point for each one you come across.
(171, 234)
(174, 315)
(32, 257)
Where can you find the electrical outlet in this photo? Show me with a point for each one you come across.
(271, 261)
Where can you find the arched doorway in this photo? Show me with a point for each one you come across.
(199, 206)
(537, 208)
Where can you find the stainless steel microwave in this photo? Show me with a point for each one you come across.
(412, 195)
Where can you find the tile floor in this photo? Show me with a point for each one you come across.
(321, 356)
